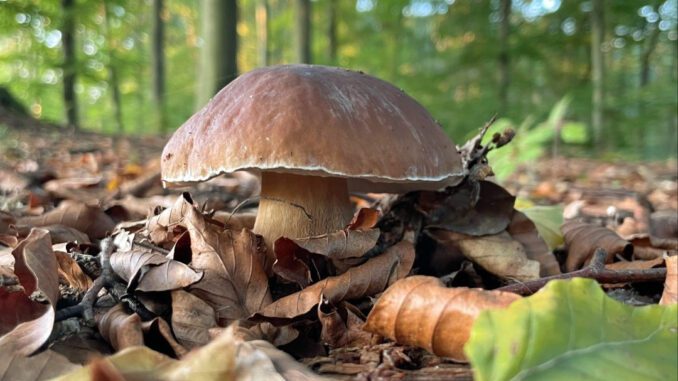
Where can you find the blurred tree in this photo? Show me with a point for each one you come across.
(303, 31)
(261, 16)
(158, 64)
(332, 31)
(597, 71)
(69, 63)
(113, 82)
(504, 67)
(218, 56)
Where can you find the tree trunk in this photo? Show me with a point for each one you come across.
(504, 73)
(113, 82)
(69, 65)
(332, 43)
(261, 16)
(597, 72)
(646, 55)
(158, 65)
(218, 55)
(303, 31)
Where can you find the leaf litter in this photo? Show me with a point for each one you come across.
(187, 281)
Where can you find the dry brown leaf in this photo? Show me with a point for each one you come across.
(71, 274)
(120, 328)
(158, 334)
(420, 311)
(192, 318)
(635, 265)
(168, 225)
(32, 303)
(368, 279)
(523, 230)
(146, 270)
(342, 326)
(42, 366)
(59, 233)
(499, 254)
(364, 219)
(90, 220)
(670, 294)
(583, 239)
(7, 221)
(234, 281)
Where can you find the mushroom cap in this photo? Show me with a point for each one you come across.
(319, 121)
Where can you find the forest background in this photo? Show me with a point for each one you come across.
(607, 68)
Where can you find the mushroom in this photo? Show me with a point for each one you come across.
(313, 133)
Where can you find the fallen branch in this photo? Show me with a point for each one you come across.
(595, 270)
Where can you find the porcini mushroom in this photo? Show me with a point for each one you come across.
(313, 133)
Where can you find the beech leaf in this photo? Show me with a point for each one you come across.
(670, 294)
(523, 230)
(572, 330)
(88, 219)
(547, 220)
(146, 270)
(32, 304)
(368, 279)
(443, 316)
(583, 239)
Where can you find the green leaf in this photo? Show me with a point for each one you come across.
(574, 133)
(548, 220)
(571, 330)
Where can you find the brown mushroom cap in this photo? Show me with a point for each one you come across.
(318, 121)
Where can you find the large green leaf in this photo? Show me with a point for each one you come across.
(571, 330)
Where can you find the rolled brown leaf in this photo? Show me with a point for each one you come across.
(583, 239)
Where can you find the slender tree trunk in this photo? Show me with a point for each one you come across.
(113, 82)
(218, 56)
(303, 31)
(158, 64)
(646, 55)
(261, 16)
(504, 68)
(597, 72)
(69, 65)
(332, 43)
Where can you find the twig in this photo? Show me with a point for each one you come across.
(595, 270)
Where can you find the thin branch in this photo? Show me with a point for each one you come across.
(595, 270)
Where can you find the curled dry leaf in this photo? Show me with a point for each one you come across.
(88, 219)
(670, 294)
(120, 328)
(342, 326)
(32, 304)
(499, 254)
(42, 366)
(234, 283)
(635, 265)
(146, 270)
(192, 318)
(368, 279)
(71, 274)
(583, 239)
(420, 311)
(523, 230)
(167, 225)
(158, 334)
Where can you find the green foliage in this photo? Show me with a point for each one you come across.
(443, 53)
(572, 330)
(548, 220)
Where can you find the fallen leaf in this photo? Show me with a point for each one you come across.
(58, 233)
(120, 328)
(523, 230)
(342, 326)
(234, 282)
(42, 366)
(71, 274)
(32, 304)
(443, 316)
(192, 318)
(670, 294)
(583, 239)
(458, 210)
(547, 220)
(158, 335)
(146, 270)
(572, 330)
(635, 265)
(368, 279)
(167, 225)
(90, 220)
(499, 254)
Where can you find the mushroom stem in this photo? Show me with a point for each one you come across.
(297, 206)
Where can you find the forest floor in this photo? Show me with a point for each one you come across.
(44, 167)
